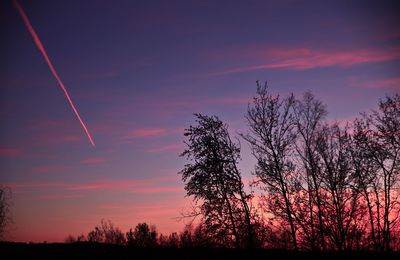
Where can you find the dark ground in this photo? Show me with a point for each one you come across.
(10, 250)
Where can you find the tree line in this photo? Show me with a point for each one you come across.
(145, 236)
(320, 185)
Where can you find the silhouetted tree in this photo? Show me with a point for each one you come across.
(69, 239)
(272, 138)
(365, 172)
(203, 237)
(106, 233)
(308, 115)
(171, 241)
(214, 180)
(378, 135)
(130, 238)
(5, 219)
(96, 235)
(143, 236)
(186, 237)
(340, 191)
(72, 239)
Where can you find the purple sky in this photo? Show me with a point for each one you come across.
(138, 70)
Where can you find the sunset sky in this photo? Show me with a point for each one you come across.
(138, 70)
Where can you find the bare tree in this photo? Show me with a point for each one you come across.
(340, 193)
(215, 182)
(379, 138)
(365, 173)
(272, 139)
(308, 115)
(5, 218)
(107, 233)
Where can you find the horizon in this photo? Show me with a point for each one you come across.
(137, 72)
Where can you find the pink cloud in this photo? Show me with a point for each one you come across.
(42, 124)
(230, 100)
(34, 184)
(10, 152)
(159, 212)
(105, 185)
(57, 138)
(304, 58)
(152, 132)
(166, 148)
(53, 197)
(93, 160)
(48, 168)
(125, 184)
(388, 83)
(53, 132)
(148, 186)
(156, 185)
(154, 190)
(147, 132)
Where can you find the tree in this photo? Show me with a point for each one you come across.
(171, 241)
(308, 115)
(365, 173)
(106, 233)
(272, 137)
(143, 236)
(5, 219)
(340, 191)
(378, 136)
(186, 237)
(72, 239)
(215, 182)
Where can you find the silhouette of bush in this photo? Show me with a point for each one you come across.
(106, 233)
(5, 218)
(142, 236)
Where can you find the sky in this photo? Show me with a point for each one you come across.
(137, 71)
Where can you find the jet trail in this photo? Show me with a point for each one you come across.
(52, 69)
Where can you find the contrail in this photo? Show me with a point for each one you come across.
(46, 57)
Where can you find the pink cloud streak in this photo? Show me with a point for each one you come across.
(10, 152)
(147, 132)
(152, 132)
(48, 168)
(140, 186)
(93, 160)
(388, 83)
(304, 58)
(166, 148)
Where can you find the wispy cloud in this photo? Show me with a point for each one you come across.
(386, 83)
(229, 100)
(48, 168)
(152, 132)
(10, 152)
(166, 148)
(139, 186)
(93, 160)
(147, 132)
(146, 186)
(52, 132)
(305, 58)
